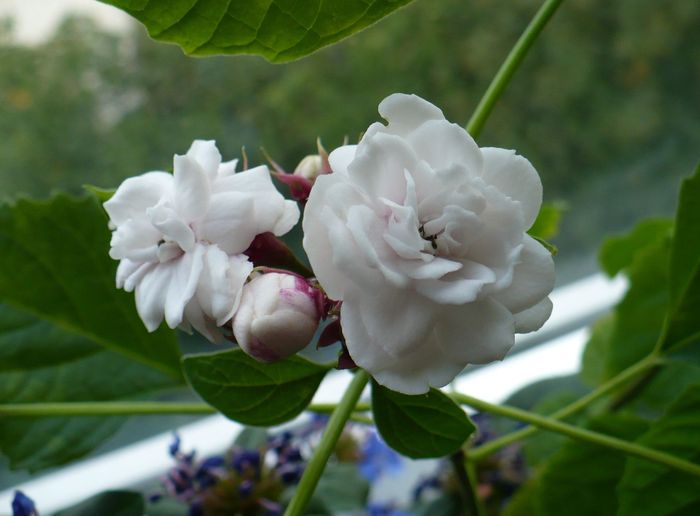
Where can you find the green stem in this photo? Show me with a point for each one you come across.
(327, 408)
(132, 408)
(510, 65)
(474, 483)
(467, 490)
(318, 461)
(611, 385)
(104, 408)
(581, 434)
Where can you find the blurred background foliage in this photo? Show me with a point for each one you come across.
(606, 106)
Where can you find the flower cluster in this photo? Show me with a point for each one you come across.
(416, 236)
(241, 481)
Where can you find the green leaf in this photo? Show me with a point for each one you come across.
(252, 392)
(664, 387)
(342, 489)
(581, 478)
(524, 501)
(421, 426)
(546, 225)
(543, 445)
(279, 30)
(114, 503)
(597, 349)
(686, 239)
(28, 343)
(101, 194)
(651, 488)
(618, 252)
(87, 373)
(638, 318)
(251, 438)
(684, 280)
(55, 255)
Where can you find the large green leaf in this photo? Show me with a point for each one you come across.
(638, 318)
(279, 30)
(28, 343)
(54, 257)
(618, 252)
(651, 488)
(684, 279)
(252, 392)
(87, 372)
(581, 478)
(112, 503)
(421, 426)
(593, 361)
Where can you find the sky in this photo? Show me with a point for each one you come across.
(35, 20)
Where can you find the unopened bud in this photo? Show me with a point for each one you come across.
(277, 317)
(310, 167)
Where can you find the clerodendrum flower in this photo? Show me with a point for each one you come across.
(421, 235)
(180, 237)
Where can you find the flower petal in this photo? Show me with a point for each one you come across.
(171, 226)
(271, 211)
(136, 239)
(533, 278)
(330, 192)
(192, 189)
(443, 144)
(341, 157)
(534, 317)
(407, 112)
(228, 168)
(380, 164)
(459, 287)
(418, 368)
(205, 153)
(136, 194)
(220, 286)
(476, 333)
(288, 218)
(185, 273)
(195, 318)
(397, 320)
(516, 177)
(227, 223)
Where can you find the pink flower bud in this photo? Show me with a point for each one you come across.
(277, 317)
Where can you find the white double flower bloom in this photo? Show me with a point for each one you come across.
(180, 237)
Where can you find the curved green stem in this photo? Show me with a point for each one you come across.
(581, 434)
(611, 385)
(335, 426)
(510, 65)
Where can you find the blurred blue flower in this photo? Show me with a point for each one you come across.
(377, 458)
(377, 509)
(22, 505)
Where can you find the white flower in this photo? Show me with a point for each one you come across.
(421, 234)
(277, 317)
(180, 237)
